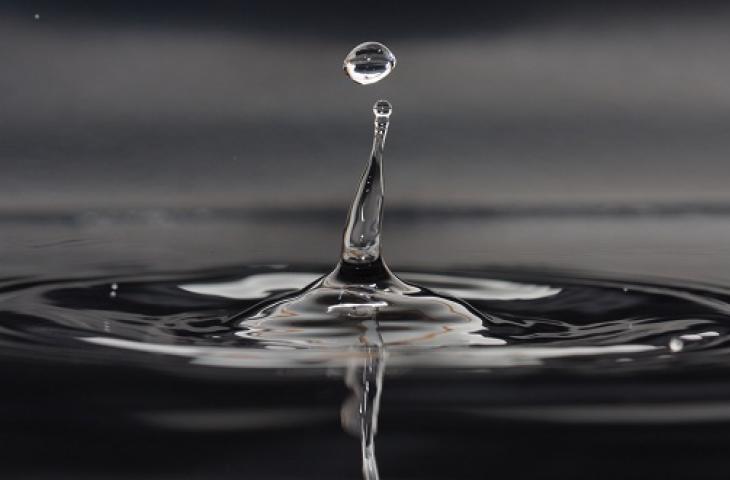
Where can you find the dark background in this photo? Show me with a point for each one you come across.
(244, 104)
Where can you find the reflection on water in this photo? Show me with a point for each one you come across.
(526, 320)
(359, 412)
(535, 323)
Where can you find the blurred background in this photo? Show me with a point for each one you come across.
(244, 104)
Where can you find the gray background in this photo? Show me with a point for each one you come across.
(245, 105)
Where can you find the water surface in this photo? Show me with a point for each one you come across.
(122, 350)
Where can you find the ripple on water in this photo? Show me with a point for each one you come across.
(529, 320)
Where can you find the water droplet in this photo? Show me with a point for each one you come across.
(37, 16)
(382, 108)
(369, 62)
(676, 345)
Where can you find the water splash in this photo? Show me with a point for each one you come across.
(362, 286)
(361, 242)
(356, 315)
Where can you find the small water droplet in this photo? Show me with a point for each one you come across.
(676, 345)
(369, 62)
(37, 16)
(382, 108)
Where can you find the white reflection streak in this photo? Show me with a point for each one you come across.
(264, 284)
(254, 286)
(495, 357)
(357, 308)
(482, 288)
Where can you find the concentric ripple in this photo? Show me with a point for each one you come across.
(531, 320)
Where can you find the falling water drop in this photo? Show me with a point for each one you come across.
(369, 63)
